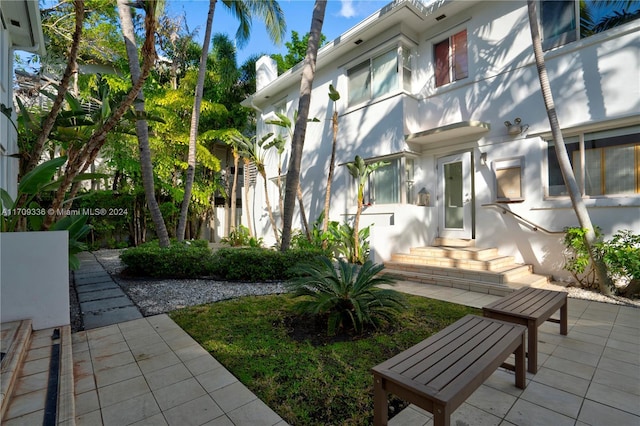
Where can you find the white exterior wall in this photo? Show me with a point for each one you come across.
(34, 277)
(595, 84)
(8, 138)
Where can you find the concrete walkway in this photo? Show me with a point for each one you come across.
(102, 301)
(148, 371)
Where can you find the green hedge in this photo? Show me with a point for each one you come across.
(187, 259)
(255, 264)
(193, 259)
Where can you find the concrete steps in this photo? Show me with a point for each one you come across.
(32, 392)
(462, 265)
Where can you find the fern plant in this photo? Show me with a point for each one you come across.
(348, 295)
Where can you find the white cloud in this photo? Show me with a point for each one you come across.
(347, 10)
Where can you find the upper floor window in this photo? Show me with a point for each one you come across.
(564, 21)
(451, 62)
(604, 163)
(380, 75)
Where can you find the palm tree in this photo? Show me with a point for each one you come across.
(297, 143)
(273, 16)
(563, 156)
(360, 172)
(142, 129)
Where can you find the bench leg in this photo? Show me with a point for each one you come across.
(532, 347)
(380, 403)
(521, 374)
(441, 416)
(563, 319)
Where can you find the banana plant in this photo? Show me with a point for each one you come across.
(360, 171)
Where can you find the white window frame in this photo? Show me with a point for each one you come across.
(578, 140)
(404, 70)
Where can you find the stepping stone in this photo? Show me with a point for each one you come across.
(94, 280)
(105, 304)
(99, 294)
(89, 274)
(114, 316)
(87, 288)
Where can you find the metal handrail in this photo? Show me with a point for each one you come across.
(533, 226)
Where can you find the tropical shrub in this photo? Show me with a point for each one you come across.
(240, 236)
(317, 237)
(577, 259)
(347, 295)
(621, 255)
(257, 264)
(186, 259)
(345, 243)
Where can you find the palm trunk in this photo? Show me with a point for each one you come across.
(195, 119)
(563, 156)
(303, 214)
(297, 143)
(98, 138)
(142, 129)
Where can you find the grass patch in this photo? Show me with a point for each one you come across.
(307, 382)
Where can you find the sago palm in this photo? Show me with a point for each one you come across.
(346, 293)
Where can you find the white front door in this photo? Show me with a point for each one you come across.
(454, 196)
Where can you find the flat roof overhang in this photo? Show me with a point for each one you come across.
(463, 130)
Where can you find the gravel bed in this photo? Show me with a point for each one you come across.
(156, 296)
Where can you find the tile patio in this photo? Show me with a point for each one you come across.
(148, 371)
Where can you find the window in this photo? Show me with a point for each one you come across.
(558, 23)
(451, 59)
(391, 184)
(604, 163)
(380, 75)
(560, 26)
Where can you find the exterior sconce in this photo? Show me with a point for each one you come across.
(424, 198)
(483, 158)
(516, 128)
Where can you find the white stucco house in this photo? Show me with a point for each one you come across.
(20, 29)
(447, 92)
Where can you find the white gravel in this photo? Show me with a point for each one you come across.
(156, 296)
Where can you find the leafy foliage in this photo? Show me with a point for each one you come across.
(296, 51)
(240, 236)
(186, 259)
(255, 264)
(345, 243)
(621, 255)
(346, 294)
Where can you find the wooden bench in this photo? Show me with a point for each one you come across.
(439, 373)
(530, 307)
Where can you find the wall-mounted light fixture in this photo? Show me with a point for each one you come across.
(517, 127)
(483, 158)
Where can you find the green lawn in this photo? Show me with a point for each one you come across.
(327, 383)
